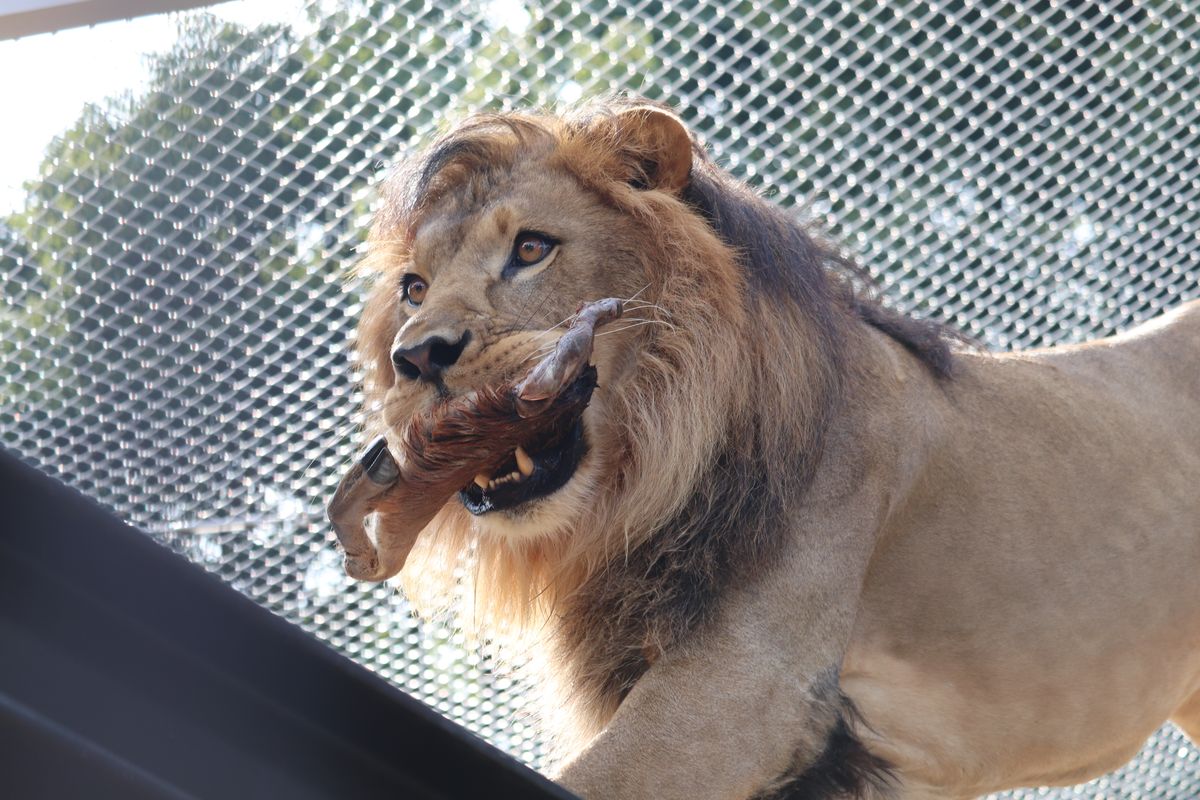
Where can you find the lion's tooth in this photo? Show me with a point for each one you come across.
(524, 462)
(482, 480)
(514, 476)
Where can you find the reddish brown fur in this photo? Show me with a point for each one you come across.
(465, 436)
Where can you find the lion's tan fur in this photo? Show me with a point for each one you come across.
(1032, 612)
(846, 451)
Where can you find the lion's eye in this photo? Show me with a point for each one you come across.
(413, 289)
(530, 248)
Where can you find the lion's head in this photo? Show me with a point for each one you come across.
(713, 388)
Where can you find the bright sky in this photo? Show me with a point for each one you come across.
(48, 78)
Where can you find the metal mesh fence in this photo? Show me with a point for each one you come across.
(174, 318)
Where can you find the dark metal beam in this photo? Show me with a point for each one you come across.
(27, 17)
(133, 673)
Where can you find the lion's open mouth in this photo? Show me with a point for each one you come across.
(528, 474)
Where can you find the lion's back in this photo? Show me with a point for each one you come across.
(1153, 367)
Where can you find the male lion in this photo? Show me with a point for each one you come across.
(775, 540)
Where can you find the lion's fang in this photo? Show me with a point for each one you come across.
(524, 462)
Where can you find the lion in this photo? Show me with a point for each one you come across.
(783, 541)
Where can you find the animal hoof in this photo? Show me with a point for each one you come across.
(362, 568)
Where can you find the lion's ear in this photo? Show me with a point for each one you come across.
(662, 145)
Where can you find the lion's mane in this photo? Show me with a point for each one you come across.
(710, 439)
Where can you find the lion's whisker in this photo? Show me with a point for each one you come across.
(639, 291)
(643, 305)
(626, 320)
(640, 320)
(628, 327)
(542, 297)
(638, 302)
(649, 319)
(554, 327)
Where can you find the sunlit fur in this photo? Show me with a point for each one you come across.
(797, 502)
(722, 399)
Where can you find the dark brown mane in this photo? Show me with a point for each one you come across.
(782, 258)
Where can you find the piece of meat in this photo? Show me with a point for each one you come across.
(443, 449)
(571, 354)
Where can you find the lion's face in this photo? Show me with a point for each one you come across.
(479, 291)
(483, 251)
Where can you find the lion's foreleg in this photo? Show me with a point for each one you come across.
(751, 704)
(693, 732)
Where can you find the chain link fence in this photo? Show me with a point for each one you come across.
(175, 315)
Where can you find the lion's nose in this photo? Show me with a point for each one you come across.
(429, 358)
